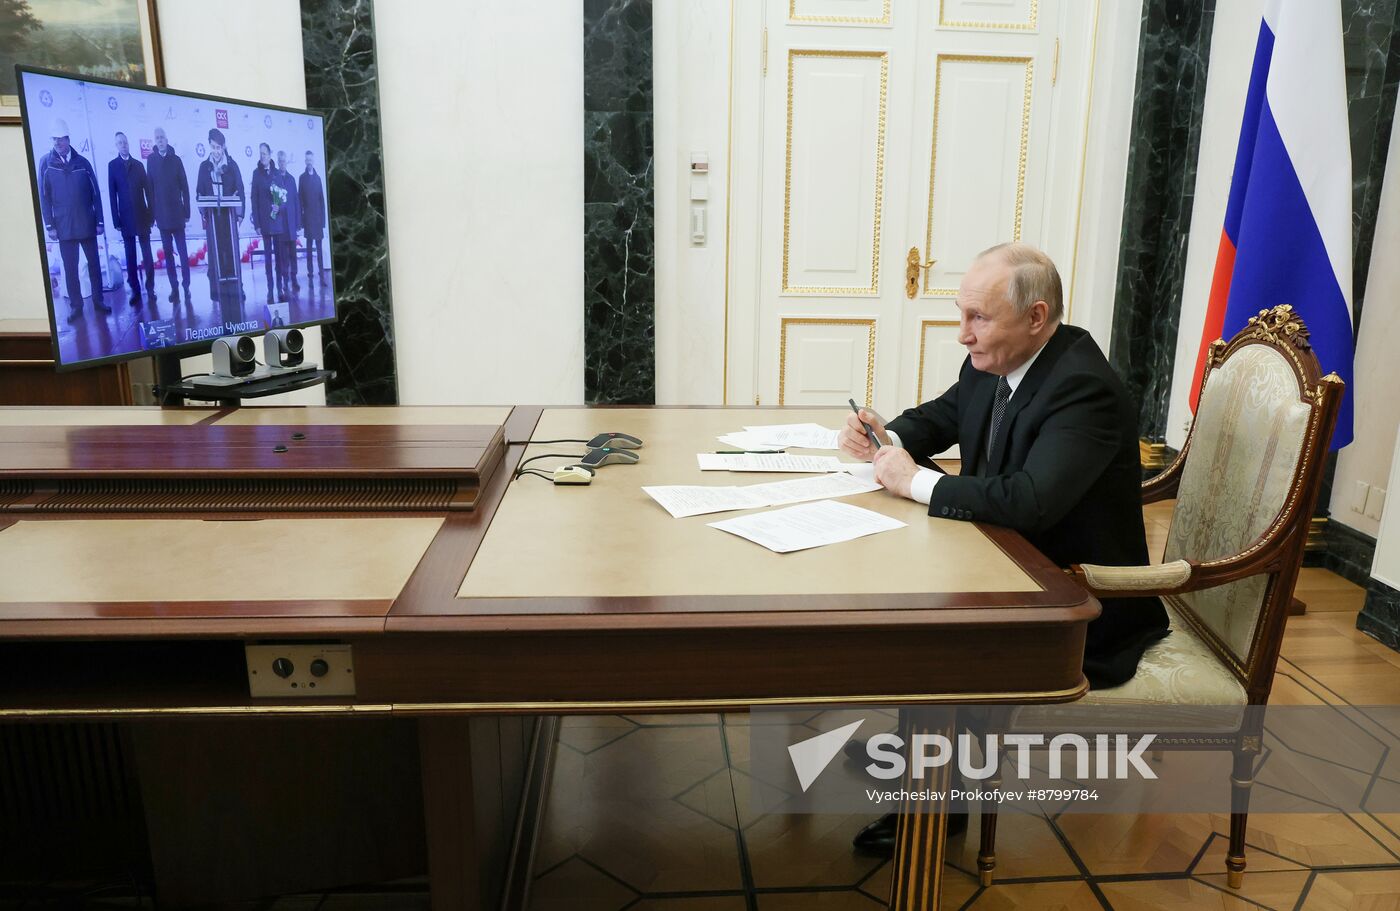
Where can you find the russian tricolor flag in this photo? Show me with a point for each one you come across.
(1287, 236)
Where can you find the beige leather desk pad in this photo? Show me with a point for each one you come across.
(163, 560)
(84, 417)
(411, 414)
(610, 539)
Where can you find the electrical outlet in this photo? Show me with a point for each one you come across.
(1375, 503)
(1360, 491)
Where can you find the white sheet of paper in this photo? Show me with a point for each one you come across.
(742, 439)
(805, 436)
(723, 461)
(809, 525)
(861, 471)
(800, 490)
(682, 500)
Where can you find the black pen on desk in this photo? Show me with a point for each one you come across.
(749, 452)
(870, 434)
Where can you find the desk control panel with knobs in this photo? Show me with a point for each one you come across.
(300, 670)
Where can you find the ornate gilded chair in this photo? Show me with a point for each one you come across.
(1245, 484)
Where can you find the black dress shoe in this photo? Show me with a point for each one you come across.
(878, 837)
(174, 297)
(74, 316)
(100, 307)
(135, 300)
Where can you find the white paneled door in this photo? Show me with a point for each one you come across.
(893, 132)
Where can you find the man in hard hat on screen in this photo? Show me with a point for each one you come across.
(70, 201)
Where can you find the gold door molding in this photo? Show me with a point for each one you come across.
(1028, 26)
(923, 349)
(826, 321)
(1029, 64)
(874, 286)
(882, 19)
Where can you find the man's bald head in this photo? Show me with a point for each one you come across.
(1031, 277)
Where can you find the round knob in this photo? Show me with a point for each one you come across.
(319, 668)
(282, 667)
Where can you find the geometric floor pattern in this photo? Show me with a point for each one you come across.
(647, 813)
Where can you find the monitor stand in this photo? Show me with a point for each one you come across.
(174, 389)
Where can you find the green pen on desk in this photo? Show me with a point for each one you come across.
(874, 441)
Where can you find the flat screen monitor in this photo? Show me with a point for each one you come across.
(168, 219)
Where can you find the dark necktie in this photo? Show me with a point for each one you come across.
(998, 411)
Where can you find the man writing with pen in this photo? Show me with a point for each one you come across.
(1048, 441)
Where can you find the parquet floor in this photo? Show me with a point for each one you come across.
(649, 813)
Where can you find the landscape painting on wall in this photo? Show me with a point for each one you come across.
(109, 39)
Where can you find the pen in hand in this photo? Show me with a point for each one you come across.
(870, 434)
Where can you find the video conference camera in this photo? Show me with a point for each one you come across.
(284, 348)
(235, 357)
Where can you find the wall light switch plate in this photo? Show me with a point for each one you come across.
(1359, 492)
(300, 670)
(1375, 503)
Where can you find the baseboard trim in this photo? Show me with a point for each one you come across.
(529, 819)
(1345, 551)
(1380, 616)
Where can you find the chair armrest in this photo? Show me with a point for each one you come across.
(1180, 576)
(1135, 579)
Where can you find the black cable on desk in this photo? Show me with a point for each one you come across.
(519, 469)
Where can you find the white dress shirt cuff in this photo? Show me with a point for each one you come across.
(894, 438)
(921, 487)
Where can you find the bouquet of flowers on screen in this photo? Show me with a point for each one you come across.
(279, 198)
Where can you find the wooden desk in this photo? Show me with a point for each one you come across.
(545, 600)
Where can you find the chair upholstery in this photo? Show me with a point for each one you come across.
(1249, 432)
(1176, 675)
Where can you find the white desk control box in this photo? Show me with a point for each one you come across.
(300, 670)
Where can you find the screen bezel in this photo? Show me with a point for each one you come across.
(188, 348)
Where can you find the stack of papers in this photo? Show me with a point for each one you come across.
(725, 461)
(781, 436)
(809, 525)
(685, 500)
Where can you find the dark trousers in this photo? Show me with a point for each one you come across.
(179, 240)
(133, 278)
(68, 250)
(277, 248)
(317, 244)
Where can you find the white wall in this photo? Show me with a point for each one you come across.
(1231, 57)
(482, 107)
(690, 73)
(257, 58)
(1375, 374)
(1386, 566)
(1095, 270)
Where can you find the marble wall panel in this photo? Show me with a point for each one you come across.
(619, 222)
(342, 83)
(1165, 137)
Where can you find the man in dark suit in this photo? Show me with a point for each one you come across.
(288, 257)
(270, 218)
(1048, 441)
(170, 198)
(130, 195)
(70, 202)
(313, 215)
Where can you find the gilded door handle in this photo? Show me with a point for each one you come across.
(911, 272)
